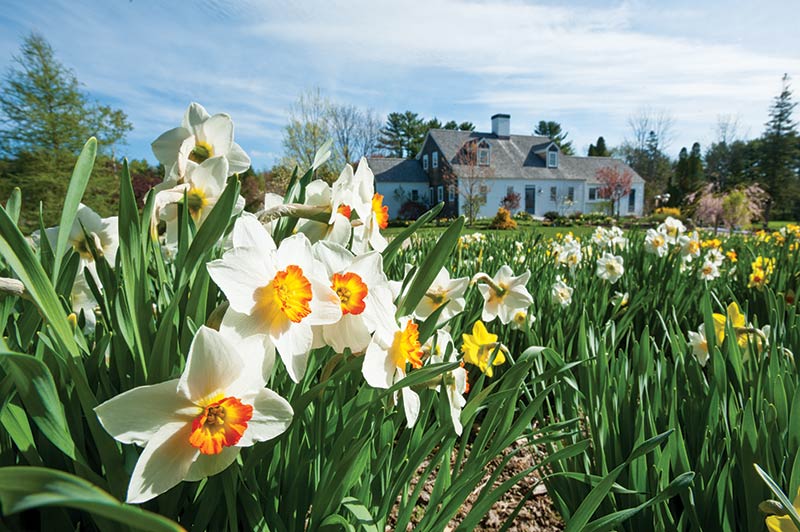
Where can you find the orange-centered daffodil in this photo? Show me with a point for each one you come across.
(291, 292)
(221, 424)
(381, 211)
(351, 291)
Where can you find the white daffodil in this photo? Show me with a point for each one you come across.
(656, 242)
(690, 246)
(103, 232)
(616, 238)
(391, 352)
(369, 206)
(364, 295)
(561, 293)
(699, 345)
(600, 236)
(202, 186)
(716, 256)
(199, 138)
(194, 426)
(672, 228)
(708, 271)
(570, 254)
(443, 290)
(610, 267)
(276, 293)
(338, 228)
(522, 320)
(455, 381)
(504, 294)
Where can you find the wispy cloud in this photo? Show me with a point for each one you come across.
(589, 66)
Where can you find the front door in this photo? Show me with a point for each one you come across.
(530, 199)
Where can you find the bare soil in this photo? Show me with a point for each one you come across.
(536, 515)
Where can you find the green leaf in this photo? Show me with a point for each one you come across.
(37, 390)
(14, 204)
(791, 511)
(390, 252)
(77, 186)
(24, 488)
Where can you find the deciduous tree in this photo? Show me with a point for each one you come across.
(615, 184)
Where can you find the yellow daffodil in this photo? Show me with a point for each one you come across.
(783, 523)
(735, 316)
(479, 346)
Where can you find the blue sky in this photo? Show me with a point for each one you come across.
(587, 64)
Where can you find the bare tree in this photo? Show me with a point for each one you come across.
(727, 130)
(307, 129)
(355, 132)
(469, 178)
(649, 124)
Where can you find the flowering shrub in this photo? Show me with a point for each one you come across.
(503, 220)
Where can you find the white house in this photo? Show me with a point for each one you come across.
(453, 165)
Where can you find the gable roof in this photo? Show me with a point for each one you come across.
(521, 157)
(394, 170)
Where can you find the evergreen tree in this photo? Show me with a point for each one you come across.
(44, 115)
(451, 124)
(779, 156)
(600, 149)
(403, 134)
(466, 126)
(434, 123)
(695, 172)
(553, 131)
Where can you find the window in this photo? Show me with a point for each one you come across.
(430, 195)
(483, 157)
(509, 191)
(571, 193)
(451, 193)
(632, 200)
(435, 159)
(484, 191)
(415, 195)
(425, 162)
(553, 194)
(593, 193)
(440, 193)
(552, 159)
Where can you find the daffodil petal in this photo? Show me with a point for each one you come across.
(272, 415)
(195, 115)
(249, 232)
(137, 415)
(166, 146)
(239, 273)
(208, 465)
(163, 464)
(212, 365)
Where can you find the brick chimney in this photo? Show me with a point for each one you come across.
(501, 125)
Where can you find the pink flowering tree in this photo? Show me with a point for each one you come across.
(615, 184)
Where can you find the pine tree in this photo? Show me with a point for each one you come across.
(600, 149)
(779, 155)
(695, 168)
(44, 114)
(403, 134)
(553, 131)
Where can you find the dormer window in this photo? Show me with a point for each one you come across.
(483, 154)
(552, 158)
(425, 162)
(435, 159)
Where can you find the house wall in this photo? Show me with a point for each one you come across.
(395, 194)
(543, 202)
(438, 177)
(601, 205)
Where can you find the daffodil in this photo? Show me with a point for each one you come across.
(656, 243)
(338, 228)
(277, 294)
(784, 523)
(699, 345)
(194, 426)
(391, 352)
(708, 271)
(363, 293)
(561, 293)
(443, 290)
(479, 346)
(689, 246)
(199, 138)
(737, 321)
(672, 228)
(610, 267)
(440, 345)
(504, 294)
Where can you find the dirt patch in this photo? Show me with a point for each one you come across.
(536, 515)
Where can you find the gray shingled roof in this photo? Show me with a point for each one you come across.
(516, 157)
(394, 170)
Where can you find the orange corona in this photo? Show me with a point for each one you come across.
(221, 424)
(292, 293)
(351, 291)
(381, 211)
